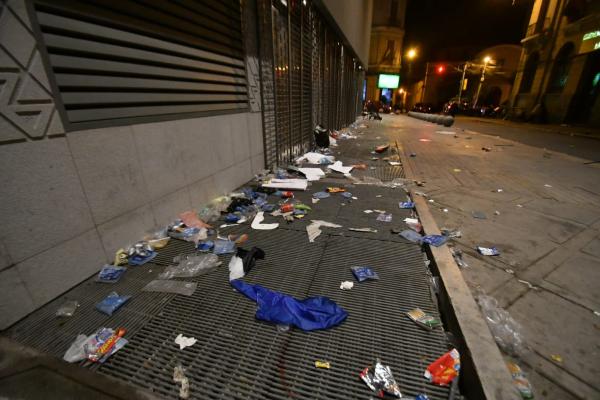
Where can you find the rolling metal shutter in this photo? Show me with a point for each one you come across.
(124, 60)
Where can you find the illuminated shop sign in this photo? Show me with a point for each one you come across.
(590, 42)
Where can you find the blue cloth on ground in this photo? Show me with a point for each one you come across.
(309, 314)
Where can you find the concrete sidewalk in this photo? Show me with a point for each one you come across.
(546, 224)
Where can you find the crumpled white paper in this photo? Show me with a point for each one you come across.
(314, 231)
(347, 285)
(184, 342)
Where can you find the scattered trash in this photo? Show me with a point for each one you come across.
(76, 352)
(394, 163)
(111, 303)
(597, 313)
(486, 148)
(458, 257)
(316, 158)
(346, 195)
(140, 253)
(411, 236)
(509, 271)
(206, 245)
(67, 309)
(110, 273)
(451, 233)
(321, 195)
(519, 205)
(190, 266)
(120, 257)
(191, 220)
(423, 319)
(379, 379)
(435, 240)
(456, 170)
(383, 217)
(184, 342)
(496, 212)
(413, 154)
(223, 246)
(244, 261)
(413, 223)
(557, 358)
(257, 222)
(367, 230)
(361, 167)
(339, 167)
(445, 210)
(406, 205)
(379, 196)
(309, 314)
(479, 215)
(505, 330)
(424, 140)
(445, 369)
(520, 381)
(346, 285)
(167, 286)
(382, 148)
(548, 186)
(498, 190)
(315, 201)
(335, 189)
(103, 344)
(289, 184)
(312, 174)
(368, 211)
(529, 285)
(364, 273)
(179, 377)
(488, 251)
(421, 194)
(322, 364)
(431, 200)
(314, 230)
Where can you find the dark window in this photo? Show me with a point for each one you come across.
(127, 61)
(529, 72)
(560, 69)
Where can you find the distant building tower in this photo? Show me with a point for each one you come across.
(385, 54)
(558, 78)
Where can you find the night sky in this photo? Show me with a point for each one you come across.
(452, 30)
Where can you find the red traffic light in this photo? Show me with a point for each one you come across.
(440, 69)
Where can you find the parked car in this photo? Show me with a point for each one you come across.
(423, 107)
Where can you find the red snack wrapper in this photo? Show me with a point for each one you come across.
(443, 370)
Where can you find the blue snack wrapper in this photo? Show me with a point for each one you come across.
(111, 303)
(364, 273)
(435, 240)
(110, 273)
(406, 204)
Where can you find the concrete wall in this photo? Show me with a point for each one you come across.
(69, 200)
(354, 19)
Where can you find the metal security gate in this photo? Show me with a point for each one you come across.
(309, 77)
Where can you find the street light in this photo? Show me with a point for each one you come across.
(412, 53)
(486, 60)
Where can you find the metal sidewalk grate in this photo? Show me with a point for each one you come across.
(238, 357)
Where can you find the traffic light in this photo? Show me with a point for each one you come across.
(440, 69)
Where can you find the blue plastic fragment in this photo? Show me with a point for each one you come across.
(364, 273)
(268, 207)
(406, 204)
(435, 240)
(141, 260)
(321, 195)
(206, 245)
(309, 314)
(232, 218)
(111, 303)
(347, 195)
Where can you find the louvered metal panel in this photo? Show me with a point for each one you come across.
(115, 62)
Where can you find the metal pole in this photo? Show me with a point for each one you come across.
(462, 83)
(480, 84)
(425, 82)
